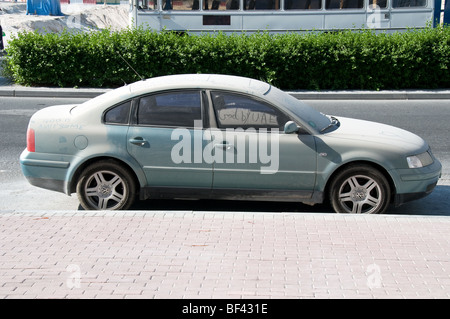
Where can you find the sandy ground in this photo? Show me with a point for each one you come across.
(13, 19)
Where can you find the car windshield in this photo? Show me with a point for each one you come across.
(310, 116)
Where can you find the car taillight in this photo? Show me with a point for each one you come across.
(31, 142)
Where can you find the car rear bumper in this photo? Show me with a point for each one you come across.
(50, 184)
(45, 170)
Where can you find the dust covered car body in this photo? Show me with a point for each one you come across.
(223, 137)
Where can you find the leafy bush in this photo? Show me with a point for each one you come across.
(312, 61)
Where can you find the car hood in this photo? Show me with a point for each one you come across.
(372, 132)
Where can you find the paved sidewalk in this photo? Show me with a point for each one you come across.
(189, 254)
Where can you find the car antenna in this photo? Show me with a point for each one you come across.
(140, 76)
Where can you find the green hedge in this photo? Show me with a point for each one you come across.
(314, 61)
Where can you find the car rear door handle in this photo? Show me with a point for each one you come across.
(139, 141)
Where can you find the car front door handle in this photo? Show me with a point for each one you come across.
(139, 141)
(225, 145)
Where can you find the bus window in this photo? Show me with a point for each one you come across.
(409, 3)
(344, 4)
(147, 4)
(302, 4)
(380, 3)
(262, 4)
(221, 4)
(180, 5)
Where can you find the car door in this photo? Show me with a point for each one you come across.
(252, 153)
(167, 130)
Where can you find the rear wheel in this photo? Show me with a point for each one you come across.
(106, 186)
(360, 189)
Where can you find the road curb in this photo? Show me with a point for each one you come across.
(301, 95)
(51, 92)
(212, 214)
(372, 95)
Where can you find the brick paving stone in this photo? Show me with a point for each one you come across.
(222, 255)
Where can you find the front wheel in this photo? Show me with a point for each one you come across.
(106, 186)
(360, 189)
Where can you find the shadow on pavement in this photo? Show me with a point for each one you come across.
(229, 206)
(435, 204)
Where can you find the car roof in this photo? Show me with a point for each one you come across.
(205, 81)
(173, 82)
(201, 81)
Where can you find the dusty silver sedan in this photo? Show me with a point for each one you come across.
(223, 137)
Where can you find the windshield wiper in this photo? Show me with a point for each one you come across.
(334, 121)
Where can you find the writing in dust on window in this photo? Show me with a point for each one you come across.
(246, 117)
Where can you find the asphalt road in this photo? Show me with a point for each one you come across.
(429, 119)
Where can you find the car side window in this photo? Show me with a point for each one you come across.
(119, 114)
(178, 109)
(239, 111)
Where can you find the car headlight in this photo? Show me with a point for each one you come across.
(420, 160)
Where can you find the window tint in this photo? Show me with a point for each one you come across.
(302, 4)
(409, 3)
(179, 109)
(147, 4)
(262, 5)
(239, 111)
(180, 5)
(374, 3)
(344, 4)
(118, 114)
(221, 4)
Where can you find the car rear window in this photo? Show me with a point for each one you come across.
(119, 114)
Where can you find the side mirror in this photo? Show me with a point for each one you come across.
(290, 127)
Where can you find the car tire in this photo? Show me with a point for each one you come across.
(106, 185)
(360, 189)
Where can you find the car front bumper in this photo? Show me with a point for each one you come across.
(412, 184)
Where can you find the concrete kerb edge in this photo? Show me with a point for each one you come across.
(302, 95)
(210, 214)
(51, 92)
(371, 95)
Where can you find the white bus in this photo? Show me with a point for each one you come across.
(275, 16)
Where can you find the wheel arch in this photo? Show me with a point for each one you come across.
(81, 167)
(345, 166)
